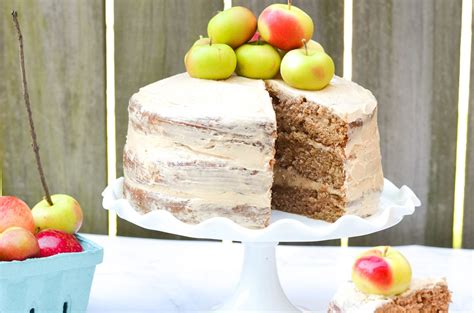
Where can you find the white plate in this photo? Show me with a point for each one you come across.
(284, 227)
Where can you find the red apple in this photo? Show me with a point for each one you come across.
(381, 270)
(53, 241)
(17, 244)
(284, 26)
(15, 212)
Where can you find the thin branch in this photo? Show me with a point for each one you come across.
(26, 96)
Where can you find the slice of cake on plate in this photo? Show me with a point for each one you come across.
(382, 283)
(424, 295)
(203, 148)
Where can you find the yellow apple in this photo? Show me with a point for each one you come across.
(213, 61)
(257, 60)
(307, 69)
(233, 26)
(200, 42)
(65, 214)
(284, 26)
(381, 270)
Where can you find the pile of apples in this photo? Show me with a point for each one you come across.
(383, 271)
(279, 42)
(41, 232)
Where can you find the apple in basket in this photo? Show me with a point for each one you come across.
(15, 212)
(53, 242)
(64, 214)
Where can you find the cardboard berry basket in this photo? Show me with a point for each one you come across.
(59, 283)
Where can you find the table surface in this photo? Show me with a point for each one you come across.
(146, 275)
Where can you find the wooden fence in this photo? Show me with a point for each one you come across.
(407, 52)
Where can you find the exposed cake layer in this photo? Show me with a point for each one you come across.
(424, 295)
(201, 151)
(328, 157)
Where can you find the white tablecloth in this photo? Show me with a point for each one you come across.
(145, 275)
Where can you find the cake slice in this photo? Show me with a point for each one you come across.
(423, 295)
(328, 159)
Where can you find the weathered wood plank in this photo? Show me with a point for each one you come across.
(468, 229)
(407, 53)
(151, 39)
(64, 51)
(328, 18)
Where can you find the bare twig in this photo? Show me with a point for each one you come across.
(26, 96)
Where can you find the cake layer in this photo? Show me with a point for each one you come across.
(317, 204)
(424, 295)
(193, 210)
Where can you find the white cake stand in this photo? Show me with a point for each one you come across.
(259, 289)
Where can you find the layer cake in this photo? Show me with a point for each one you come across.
(238, 147)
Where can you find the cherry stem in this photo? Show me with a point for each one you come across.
(26, 97)
(289, 4)
(305, 46)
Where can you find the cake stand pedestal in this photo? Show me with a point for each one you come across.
(259, 289)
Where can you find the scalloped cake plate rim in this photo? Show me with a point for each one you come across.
(284, 227)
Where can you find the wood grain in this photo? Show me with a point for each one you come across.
(151, 39)
(407, 53)
(468, 226)
(64, 55)
(328, 19)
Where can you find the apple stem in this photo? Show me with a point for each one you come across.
(305, 46)
(289, 4)
(210, 41)
(26, 96)
(385, 251)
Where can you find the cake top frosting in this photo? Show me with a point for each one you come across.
(183, 98)
(345, 98)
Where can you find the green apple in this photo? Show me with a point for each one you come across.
(17, 244)
(284, 26)
(314, 45)
(213, 61)
(382, 271)
(65, 214)
(307, 69)
(200, 42)
(233, 26)
(257, 60)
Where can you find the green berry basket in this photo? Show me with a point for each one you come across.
(59, 283)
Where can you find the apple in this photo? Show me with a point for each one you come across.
(284, 26)
(65, 214)
(232, 27)
(17, 244)
(307, 69)
(213, 61)
(200, 42)
(15, 212)
(53, 241)
(257, 60)
(255, 37)
(314, 45)
(382, 271)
